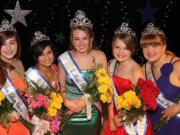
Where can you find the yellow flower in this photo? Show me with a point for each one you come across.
(119, 101)
(102, 88)
(111, 90)
(129, 96)
(55, 104)
(137, 103)
(132, 99)
(2, 97)
(53, 95)
(52, 111)
(126, 105)
(104, 98)
(59, 98)
(104, 80)
(101, 73)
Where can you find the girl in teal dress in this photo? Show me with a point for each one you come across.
(76, 67)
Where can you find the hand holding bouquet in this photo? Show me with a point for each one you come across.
(134, 101)
(45, 104)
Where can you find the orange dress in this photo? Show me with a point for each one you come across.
(16, 128)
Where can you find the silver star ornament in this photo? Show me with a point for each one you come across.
(18, 15)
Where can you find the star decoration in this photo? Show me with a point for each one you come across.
(60, 37)
(148, 13)
(18, 15)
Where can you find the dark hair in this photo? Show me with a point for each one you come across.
(38, 48)
(129, 40)
(88, 31)
(8, 34)
(150, 39)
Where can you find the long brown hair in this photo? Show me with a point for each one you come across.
(3, 73)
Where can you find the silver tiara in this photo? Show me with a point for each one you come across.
(124, 29)
(151, 29)
(39, 37)
(6, 26)
(80, 19)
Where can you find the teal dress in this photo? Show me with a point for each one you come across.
(79, 124)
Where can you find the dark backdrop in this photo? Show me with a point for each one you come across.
(52, 17)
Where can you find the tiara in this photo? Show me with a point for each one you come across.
(151, 29)
(80, 19)
(6, 26)
(39, 37)
(124, 29)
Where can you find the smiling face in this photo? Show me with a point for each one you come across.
(120, 51)
(153, 48)
(46, 59)
(81, 41)
(8, 49)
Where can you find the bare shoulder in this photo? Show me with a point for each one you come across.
(138, 70)
(17, 63)
(98, 53)
(100, 57)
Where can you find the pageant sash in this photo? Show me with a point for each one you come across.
(74, 74)
(161, 100)
(112, 66)
(33, 76)
(10, 91)
(72, 70)
(137, 129)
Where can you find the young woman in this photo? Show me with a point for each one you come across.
(124, 71)
(12, 82)
(76, 68)
(44, 73)
(163, 68)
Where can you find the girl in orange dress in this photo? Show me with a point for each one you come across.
(12, 74)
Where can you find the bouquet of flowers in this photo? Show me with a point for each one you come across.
(45, 105)
(6, 108)
(134, 101)
(100, 88)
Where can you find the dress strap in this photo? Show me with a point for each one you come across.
(145, 71)
(175, 61)
(172, 59)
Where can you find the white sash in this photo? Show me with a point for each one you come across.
(139, 128)
(74, 74)
(111, 72)
(141, 125)
(161, 100)
(72, 70)
(10, 91)
(33, 76)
